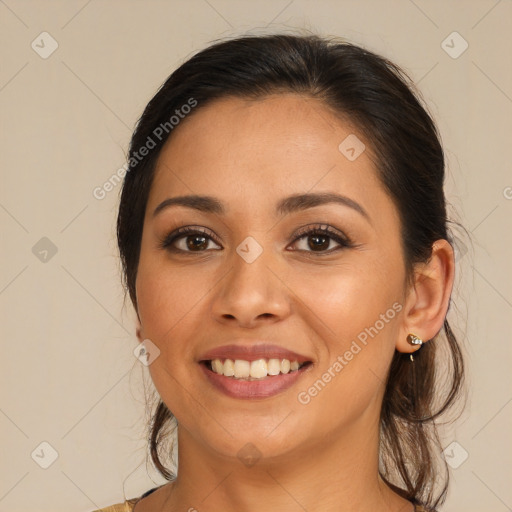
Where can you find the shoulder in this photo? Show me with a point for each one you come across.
(126, 506)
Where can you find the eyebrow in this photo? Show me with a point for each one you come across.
(290, 204)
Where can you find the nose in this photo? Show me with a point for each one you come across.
(251, 294)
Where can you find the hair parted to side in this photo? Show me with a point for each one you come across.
(377, 97)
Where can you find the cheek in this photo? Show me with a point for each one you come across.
(169, 309)
(354, 314)
(166, 297)
(343, 300)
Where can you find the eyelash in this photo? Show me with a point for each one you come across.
(319, 229)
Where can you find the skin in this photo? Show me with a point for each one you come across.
(320, 456)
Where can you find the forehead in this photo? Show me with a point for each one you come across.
(240, 149)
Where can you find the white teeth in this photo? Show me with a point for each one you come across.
(229, 368)
(217, 366)
(242, 369)
(273, 367)
(285, 366)
(258, 369)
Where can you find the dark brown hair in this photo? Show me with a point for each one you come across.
(377, 97)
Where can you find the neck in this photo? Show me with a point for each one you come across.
(339, 474)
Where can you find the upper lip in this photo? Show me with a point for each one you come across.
(251, 351)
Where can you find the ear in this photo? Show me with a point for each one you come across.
(428, 298)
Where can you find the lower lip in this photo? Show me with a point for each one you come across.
(253, 389)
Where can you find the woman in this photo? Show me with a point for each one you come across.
(283, 234)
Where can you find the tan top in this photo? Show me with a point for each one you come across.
(128, 505)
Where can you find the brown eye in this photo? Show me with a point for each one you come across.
(320, 239)
(188, 239)
(193, 242)
(319, 242)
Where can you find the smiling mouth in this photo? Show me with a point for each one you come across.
(259, 369)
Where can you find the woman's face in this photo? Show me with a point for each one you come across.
(253, 285)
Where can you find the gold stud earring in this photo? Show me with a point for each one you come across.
(414, 340)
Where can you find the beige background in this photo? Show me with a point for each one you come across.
(69, 377)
